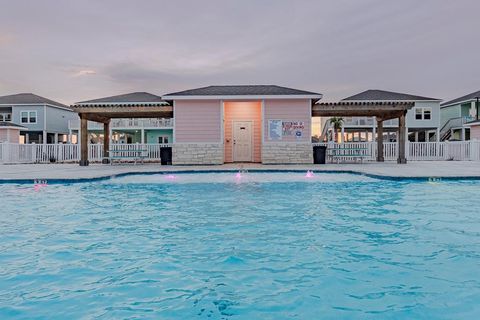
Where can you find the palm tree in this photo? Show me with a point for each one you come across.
(337, 123)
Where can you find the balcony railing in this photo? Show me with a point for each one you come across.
(126, 124)
(367, 122)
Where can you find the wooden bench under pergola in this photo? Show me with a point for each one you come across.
(104, 112)
(381, 110)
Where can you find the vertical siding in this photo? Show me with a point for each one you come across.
(475, 132)
(9, 135)
(289, 110)
(197, 121)
(3, 135)
(243, 111)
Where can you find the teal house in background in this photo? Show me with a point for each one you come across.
(456, 114)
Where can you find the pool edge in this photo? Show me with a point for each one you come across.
(257, 170)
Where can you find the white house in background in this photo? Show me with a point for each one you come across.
(422, 121)
(45, 120)
(456, 115)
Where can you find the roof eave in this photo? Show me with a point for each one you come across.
(238, 97)
(450, 103)
(394, 101)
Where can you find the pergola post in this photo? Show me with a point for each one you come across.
(106, 142)
(401, 139)
(380, 157)
(83, 140)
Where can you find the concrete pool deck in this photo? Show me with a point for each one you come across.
(417, 169)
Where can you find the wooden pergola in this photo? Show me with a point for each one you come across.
(104, 112)
(381, 110)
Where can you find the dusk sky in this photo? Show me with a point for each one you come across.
(76, 50)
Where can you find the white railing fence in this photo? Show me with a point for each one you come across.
(12, 153)
(418, 151)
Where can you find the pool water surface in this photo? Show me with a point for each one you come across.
(254, 246)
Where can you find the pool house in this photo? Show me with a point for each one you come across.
(242, 123)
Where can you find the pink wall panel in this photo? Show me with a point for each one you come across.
(3, 135)
(197, 121)
(289, 110)
(14, 135)
(243, 111)
(475, 132)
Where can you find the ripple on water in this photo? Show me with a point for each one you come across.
(274, 246)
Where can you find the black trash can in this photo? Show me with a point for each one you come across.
(166, 155)
(319, 154)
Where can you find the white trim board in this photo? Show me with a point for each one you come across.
(241, 97)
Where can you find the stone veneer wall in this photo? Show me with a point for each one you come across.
(287, 153)
(197, 153)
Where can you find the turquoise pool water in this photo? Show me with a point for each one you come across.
(264, 246)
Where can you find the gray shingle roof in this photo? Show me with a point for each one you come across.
(10, 124)
(28, 98)
(242, 90)
(468, 97)
(135, 97)
(381, 95)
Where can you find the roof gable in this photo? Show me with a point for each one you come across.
(8, 124)
(134, 97)
(465, 98)
(28, 98)
(381, 95)
(243, 90)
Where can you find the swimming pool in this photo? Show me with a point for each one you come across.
(259, 246)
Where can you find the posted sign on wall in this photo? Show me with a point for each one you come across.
(277, 129)
(274, 129)
(293, 128)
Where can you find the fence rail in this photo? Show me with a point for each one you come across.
(12, 153)
(418, 151)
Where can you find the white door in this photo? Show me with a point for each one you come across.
(242, 141)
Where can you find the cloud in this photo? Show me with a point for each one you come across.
(6, 38)
(338, 48)
(86, 72)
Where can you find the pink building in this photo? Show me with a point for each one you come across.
(474, 129)
(259, 123)
(10, 132)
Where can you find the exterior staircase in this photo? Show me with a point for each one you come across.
(446, 130)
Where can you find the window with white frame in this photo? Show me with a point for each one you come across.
(424, 113)
(5, 117)
(28, 116)
(163, 139)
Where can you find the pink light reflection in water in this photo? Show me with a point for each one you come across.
(39, 186)
(309, 174)
(171, 177)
